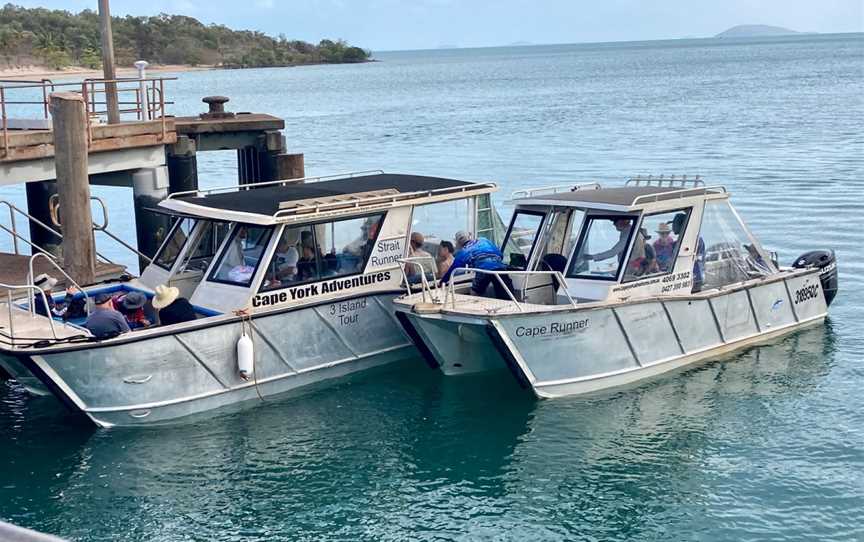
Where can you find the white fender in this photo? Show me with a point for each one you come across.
(245, 356)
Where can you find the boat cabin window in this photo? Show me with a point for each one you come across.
(656, 245)
(524, 228)
(242, 254)
(726, 253)
(559, 239)
(207, 242)
(602, 247)
(172, 246)
(321, 251)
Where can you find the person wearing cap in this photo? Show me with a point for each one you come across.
(425, 263)
(172, 308)
(664, 247)
(623, 226)
(479, 254)
(46, 283)
(104, 321)
(131, 306)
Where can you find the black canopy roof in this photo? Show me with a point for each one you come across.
(267, 199)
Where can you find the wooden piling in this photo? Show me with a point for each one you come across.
(69, 120)
(108, 62)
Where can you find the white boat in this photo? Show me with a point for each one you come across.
(323, 312)
(615, 285)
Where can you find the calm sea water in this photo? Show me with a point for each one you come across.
(767, 444)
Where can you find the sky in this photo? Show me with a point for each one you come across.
(383, 25)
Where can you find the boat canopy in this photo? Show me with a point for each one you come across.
(279, 202)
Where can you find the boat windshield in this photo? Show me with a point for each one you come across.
(726, 253)
(602, 247)
(524, 228)
(207, 241)
(559, 239)
(174, 244)
(242, 254)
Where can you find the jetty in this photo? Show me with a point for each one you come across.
(58, 139)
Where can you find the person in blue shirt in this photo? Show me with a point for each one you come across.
(479, 254)
(104, 321)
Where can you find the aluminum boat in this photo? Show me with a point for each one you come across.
(306, 269)
(612, 285)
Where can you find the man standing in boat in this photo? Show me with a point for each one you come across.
(480, 254)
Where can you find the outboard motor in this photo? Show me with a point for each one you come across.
(827, 264)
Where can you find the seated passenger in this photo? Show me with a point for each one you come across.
(172, 308)
(285, 259)
(425, 264)
(104, 322)
(699, 266)
(131, 306)
(642, 258)
(307, 266)
(445, 257)
(68, 308)
(362, 246)
(664, 247)
(479, 254)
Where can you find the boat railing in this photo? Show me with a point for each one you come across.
(553, 189)
(361, 202)
(71, 281)
(661, 181)
(678, 194)
(32, 291)
(450, 292)
(426, 288)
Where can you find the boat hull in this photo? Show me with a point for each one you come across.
(585, 350)
(172, 376)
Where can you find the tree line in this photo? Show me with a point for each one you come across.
(57, 39)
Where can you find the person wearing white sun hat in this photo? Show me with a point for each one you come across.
(46, 283)
(172, 308)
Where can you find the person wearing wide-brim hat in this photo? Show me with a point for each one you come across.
(131, 306)
(664, 246)
(172, 308)
(46, 283)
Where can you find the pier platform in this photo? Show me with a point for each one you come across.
(14, 269)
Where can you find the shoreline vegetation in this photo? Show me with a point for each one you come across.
(37, 42)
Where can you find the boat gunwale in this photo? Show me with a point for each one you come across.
(184, 327)
(448, 310)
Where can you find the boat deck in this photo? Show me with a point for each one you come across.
(14, 269)
(25, 326)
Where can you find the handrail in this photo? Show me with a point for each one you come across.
(53, 205)
(376, 200)
(238, 188)
(32, 302)
(31, 276)
(451, 290)
(553, 189)
(662, 180)
(12, 209)
(682, 193)
(424, 283)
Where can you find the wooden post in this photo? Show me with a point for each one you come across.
(108, 62)
(69, 120)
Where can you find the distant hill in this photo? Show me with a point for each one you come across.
(755, 30)
(57, 39)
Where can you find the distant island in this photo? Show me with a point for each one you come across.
(755, 30)
(57, 40)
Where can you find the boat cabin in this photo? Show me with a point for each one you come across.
(645, 239)
(288, 242)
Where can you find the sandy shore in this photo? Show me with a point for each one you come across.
(40, 72)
